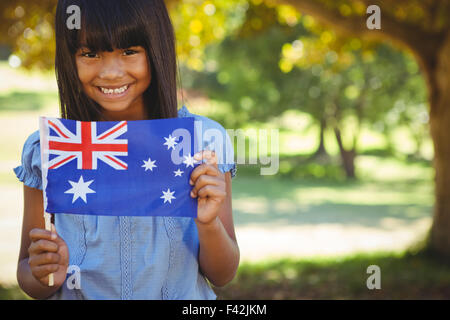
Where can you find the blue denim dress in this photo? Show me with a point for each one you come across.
(132, 257)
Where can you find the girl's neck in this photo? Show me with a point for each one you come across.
(138, 112)
(124, 116)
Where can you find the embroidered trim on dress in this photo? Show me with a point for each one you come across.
(125, 258)
(170, 228)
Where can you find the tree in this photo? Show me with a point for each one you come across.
(423, 27)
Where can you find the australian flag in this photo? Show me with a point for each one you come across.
(118, 168)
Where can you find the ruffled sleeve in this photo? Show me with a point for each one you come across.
(29, 172)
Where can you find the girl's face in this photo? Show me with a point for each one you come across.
(116, 81)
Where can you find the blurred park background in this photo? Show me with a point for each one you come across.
(361, 180)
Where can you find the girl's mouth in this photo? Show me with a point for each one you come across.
(113, 93)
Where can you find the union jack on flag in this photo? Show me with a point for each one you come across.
(87, 145)
(118, 168)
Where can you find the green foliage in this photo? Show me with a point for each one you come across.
(244, 72)
(28, 27)
(356, 86)
(198, 23)
(12, 293)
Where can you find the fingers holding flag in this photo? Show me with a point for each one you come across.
(209, 155)
(209, 186)
(207, 173)
(47, 254)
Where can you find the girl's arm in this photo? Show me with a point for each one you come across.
(41, 252)
(219, 251)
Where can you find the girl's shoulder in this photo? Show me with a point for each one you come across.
(29, 172)
(207, 123)
(213, 136)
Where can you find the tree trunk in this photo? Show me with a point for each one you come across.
(347, 156)
(438, 80)
(321, 152)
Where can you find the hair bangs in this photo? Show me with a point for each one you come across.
(108, 25)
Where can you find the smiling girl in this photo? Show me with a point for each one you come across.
(115, 80)
(121, 65)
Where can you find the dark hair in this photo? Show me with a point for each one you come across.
(110, 24)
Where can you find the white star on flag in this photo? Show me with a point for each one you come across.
(168, 195)
(189, 161)
(80, 189)
(149, 164)
(178, 173)
(170, 142)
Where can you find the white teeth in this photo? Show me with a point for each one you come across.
(115, 91)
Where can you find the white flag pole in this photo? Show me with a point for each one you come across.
(43, 132)
(48, 226)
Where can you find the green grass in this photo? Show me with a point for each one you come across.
(27, 100)
(403, 276)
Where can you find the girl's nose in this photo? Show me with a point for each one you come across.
(111, 69)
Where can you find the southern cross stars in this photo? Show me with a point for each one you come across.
(80, 189)
(168, 195)
(149, 164)
(170, 142)
(189, 161)
(178, 173)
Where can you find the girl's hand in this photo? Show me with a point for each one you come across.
(209, 185)
(48, 253)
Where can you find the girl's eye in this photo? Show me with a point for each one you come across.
(129, 52)
(89, 54)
